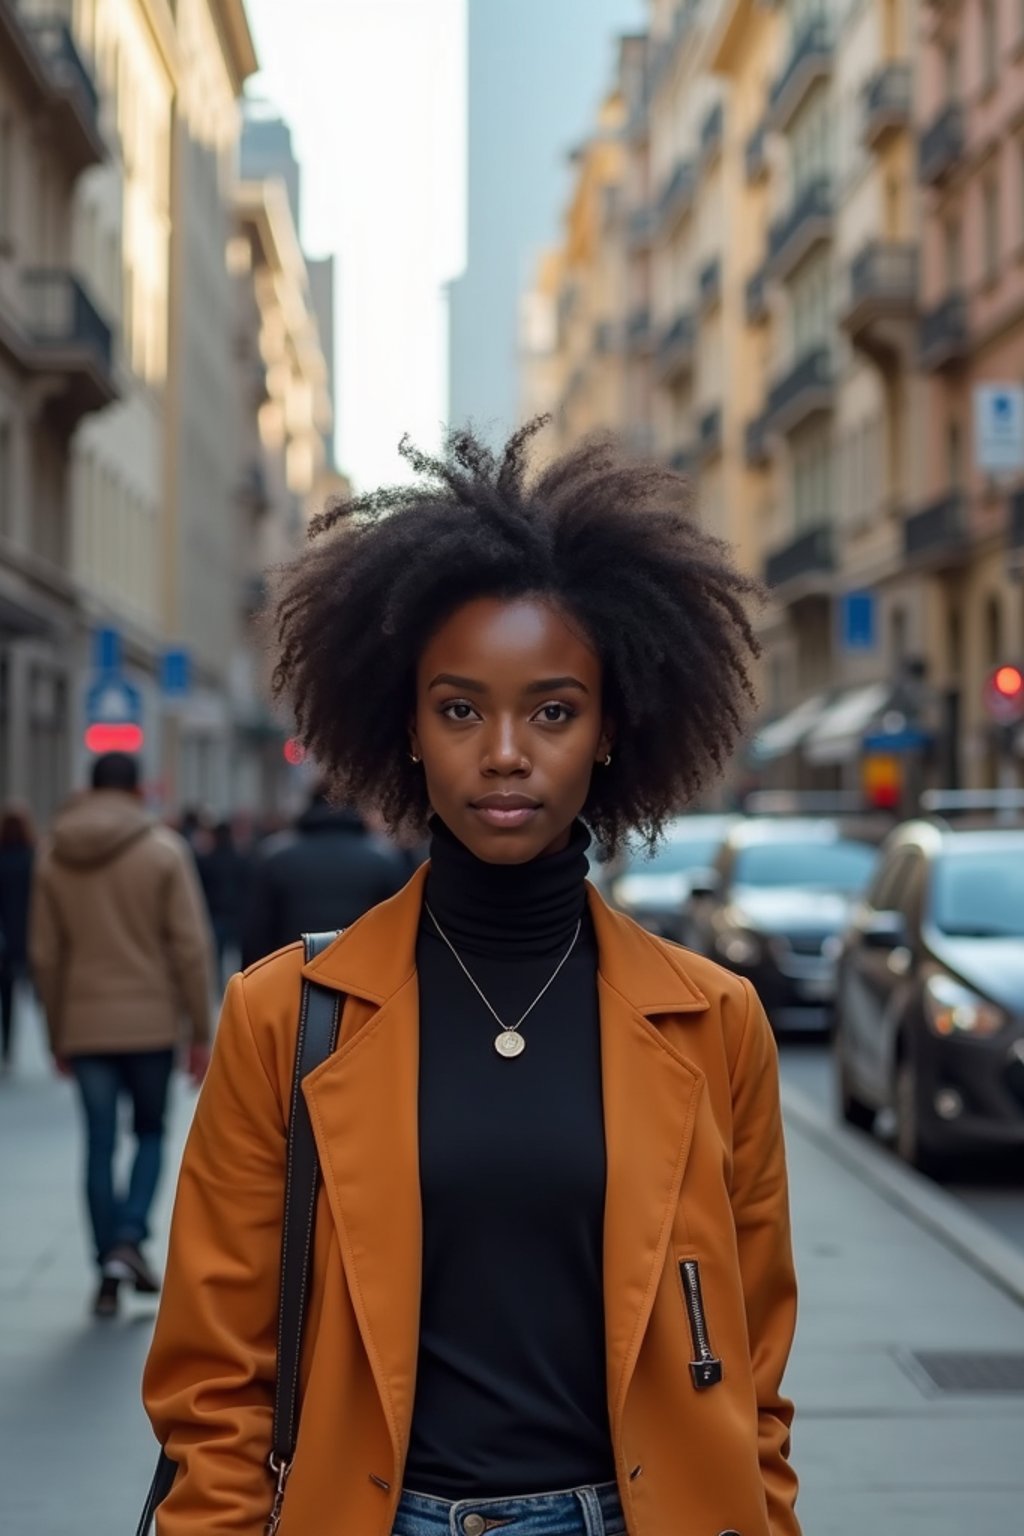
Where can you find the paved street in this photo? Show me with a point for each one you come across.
(877, 1446)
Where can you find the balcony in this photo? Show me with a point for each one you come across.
(755, 155)
(937, 535)
(809, 62)
(69, 340)
(756, 449)
(683, 461)
(675, 349)
(941, 146)
(805, 391)
(943, 334)
(642, 226)
(755, 298)
(804, 566)
(710, 439)
(639, 335)
(676, 198)
(73, 117)
(806, 225)
(711, 133)
(882, 306)
(710, 284)
(887, 104)
(604, 337)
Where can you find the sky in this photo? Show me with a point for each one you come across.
(375, 97)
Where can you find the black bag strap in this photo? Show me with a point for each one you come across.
(319, 1018)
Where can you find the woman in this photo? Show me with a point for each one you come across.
(17, 851)
(553, 1291)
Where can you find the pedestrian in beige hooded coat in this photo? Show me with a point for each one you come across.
(121, 956)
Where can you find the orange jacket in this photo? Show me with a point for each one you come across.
(696, 1171)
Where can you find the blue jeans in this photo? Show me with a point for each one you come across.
(143, 1076)
(574, 1512)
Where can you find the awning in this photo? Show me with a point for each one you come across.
(837, 736)
(783, 735)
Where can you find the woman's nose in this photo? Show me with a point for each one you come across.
(503, 749)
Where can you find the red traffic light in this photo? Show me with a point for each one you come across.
(294, 752)
(114, 738)
(1004, 694)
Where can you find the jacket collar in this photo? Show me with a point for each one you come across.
(376, 957)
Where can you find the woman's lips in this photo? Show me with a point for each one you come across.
(513, 811)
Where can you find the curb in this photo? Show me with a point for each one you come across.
(927, 1205)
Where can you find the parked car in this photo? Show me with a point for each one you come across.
(654, 889)
(774, 906)
(930, 1017)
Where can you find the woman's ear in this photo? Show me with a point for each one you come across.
(605, 743)
(414, 744)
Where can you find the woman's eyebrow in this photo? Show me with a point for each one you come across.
(553, 684)
(450, 680)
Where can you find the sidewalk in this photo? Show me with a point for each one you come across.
(877, 1448)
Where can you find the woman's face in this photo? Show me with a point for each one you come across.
(509, 725)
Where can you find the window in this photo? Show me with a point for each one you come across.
(953, 241)
(991, 232)
(951, 70)
(898, 638)
(993, 631)
(989, 45)
(954, 455)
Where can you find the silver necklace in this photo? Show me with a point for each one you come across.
(509, 1043)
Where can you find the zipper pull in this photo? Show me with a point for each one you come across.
(280, 1470)
(706, 1370)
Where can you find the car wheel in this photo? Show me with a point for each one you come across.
(911, 1146)
(854, 1110)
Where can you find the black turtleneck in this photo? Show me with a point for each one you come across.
(511, 1395)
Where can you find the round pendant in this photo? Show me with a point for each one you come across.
(510, 1043)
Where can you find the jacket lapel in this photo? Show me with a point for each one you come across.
(363, 1103)
(651, 1095)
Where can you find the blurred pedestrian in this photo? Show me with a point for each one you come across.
(120, 949)
(17, 851)
(223, 872)
(322, 875)
(552, 1283)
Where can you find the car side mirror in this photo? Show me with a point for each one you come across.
(884, 930)
(704, 883)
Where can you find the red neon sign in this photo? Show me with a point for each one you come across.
(114, 738)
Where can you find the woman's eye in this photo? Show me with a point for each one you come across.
(555, 714)
(459, 710)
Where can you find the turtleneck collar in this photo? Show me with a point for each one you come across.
(506, 910)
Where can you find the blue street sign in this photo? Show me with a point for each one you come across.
(176, 673)
(106, 648)
(858, 621)
(908, 739)
(111, 700)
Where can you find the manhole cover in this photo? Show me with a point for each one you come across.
(969, 1370)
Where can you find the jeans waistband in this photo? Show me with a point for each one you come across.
(594, 1510)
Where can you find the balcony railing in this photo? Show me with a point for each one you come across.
(755, 154)
(710, 283)
(810, 554)
(78, 99)
(675, 349)
(805, 390)
(61, 314)
(941, 145)
(808, 221)
(755, 442)
(711, 131)
(883, 299)
(638, 329)
(888, 102)
(810, 60)
(943, 334)
(711, 432)
(604, 337)
(939, 531)
(755, 296)
(677, 194)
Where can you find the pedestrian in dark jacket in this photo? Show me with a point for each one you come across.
(223, 871)
(17, 851)
(322, 875)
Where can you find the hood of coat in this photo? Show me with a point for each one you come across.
(97, 827)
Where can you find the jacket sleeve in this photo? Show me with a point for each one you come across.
(760, 1201)
(209, 1380)
(188, 940)
(46, 950)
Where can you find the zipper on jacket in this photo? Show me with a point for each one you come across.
(706, 1369)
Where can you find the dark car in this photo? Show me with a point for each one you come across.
(773, 910)
(654, 889)
(930, 1017)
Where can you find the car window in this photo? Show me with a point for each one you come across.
(828, 866)
(979, 894)
(677, 857)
